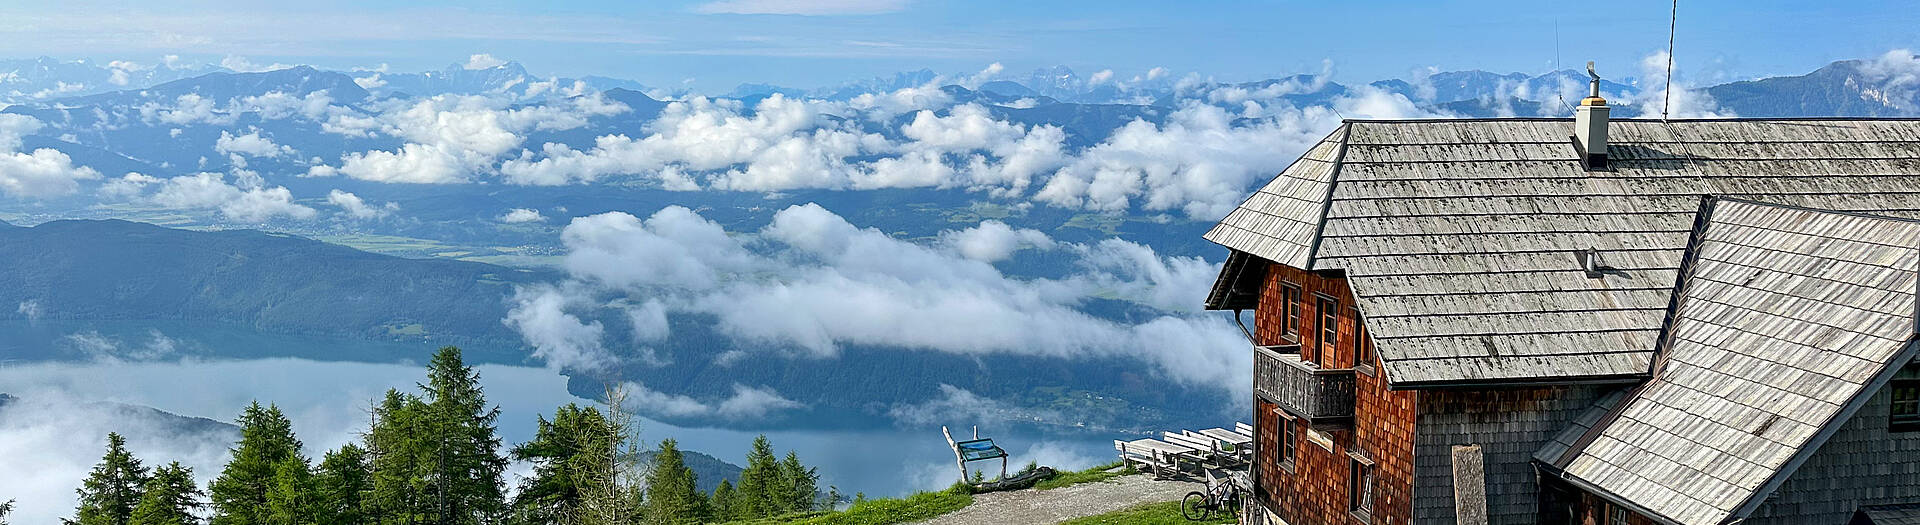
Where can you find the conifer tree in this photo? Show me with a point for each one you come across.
(396, 443)
(240, 493)
(671, 494)
(6, 508)
(722, 505)
(801, 484)
(292, 497)
(341, 482)
(757, 493)
(170, 498)
(566, 454)
(113, 489)
(465, 484)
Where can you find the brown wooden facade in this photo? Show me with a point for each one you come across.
(1351, 470)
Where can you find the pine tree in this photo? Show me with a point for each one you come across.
(113, 489)
(292, 497)
(756, 495)
(240, 493)
(671, 494)
(465, 484)
(341, 483)
(722, 506)
(396, 458)
(171, 498)
(802, 484)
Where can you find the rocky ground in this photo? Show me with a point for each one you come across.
(1038, 507)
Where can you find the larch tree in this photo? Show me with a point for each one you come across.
(801, 484)
(240, 493)
(465, 484)
(758, 493)
(170, 498)
(292, 497)
(671, 494)
(341, 483)
(396, 460)
(721, 505)
(113, 489)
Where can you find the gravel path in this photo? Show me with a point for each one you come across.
(1053, 506)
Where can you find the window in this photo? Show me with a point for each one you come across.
(1288, 443)
(1905, 416)
(1360, 487)
(1290, 297)
(1328, 328)
(1618, 515)
(1362, 348)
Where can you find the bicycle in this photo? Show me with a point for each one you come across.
(1221, 496)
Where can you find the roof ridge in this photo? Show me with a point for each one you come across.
(1326, 202)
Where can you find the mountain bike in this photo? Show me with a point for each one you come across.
(1222, 497)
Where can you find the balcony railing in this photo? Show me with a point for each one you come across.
(1322, 396)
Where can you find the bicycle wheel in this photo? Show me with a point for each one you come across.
(1195, 506)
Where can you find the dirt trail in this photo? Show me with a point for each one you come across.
(1037, 507)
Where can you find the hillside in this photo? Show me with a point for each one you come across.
(116, 269)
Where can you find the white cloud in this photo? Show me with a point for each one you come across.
(745, 403)
(251, 144)
(412, 163)
(1684, 102)
(370, 82)
(541, 315)
(1895, 78)
(483, 61)
(45, 172)
(243, 65)
(358, 208)
(250, 201)
(802, 7)
(521, 215)
(814, 283)
(994, 241)
(111, 349)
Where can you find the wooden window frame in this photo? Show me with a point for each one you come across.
(1362, 346)
(1618, 515)
(1326, 319)
(1361, 480)
(1289, 440)
(1904, 414)
(1290, 310)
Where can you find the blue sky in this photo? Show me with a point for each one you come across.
(711, 45)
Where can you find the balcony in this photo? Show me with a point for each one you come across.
(1322, 396)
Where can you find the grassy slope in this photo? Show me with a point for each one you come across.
(925, 505)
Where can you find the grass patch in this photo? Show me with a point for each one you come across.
(884, 511)
(1090, 475)
(1165, 513)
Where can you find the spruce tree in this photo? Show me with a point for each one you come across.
(722, 505)
(671, 496)
(757, 494)
(465, 484)
(113, 489)
(341, 483)
(266, 440)
(802, 484)
(292, 497)
(171, 498)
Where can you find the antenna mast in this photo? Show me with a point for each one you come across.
(1673, 20)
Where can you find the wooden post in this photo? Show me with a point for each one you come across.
(962, 460)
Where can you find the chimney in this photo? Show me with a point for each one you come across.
(1590, 125)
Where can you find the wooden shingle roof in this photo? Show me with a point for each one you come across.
(1459, 236)
(1789, 319)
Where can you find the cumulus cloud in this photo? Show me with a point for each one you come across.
(745, 403)
(810, 283)
(521, 216)
(994, 241)
(247, 199)
(44, 172)
(95, 347)
(358, 208)
(451, 138)
(483, 61)
(1684, 102)
(251, 144)
(802, 7)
